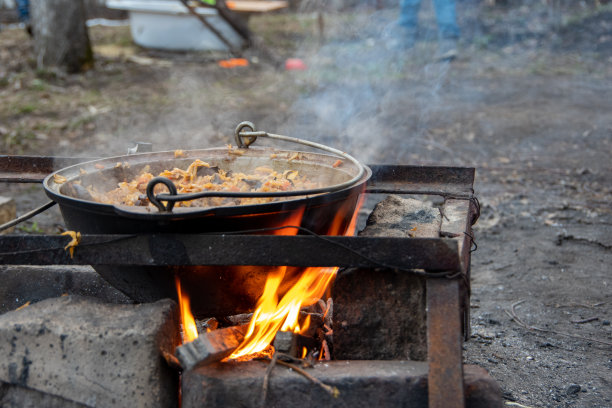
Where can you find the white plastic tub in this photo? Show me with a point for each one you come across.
(167, 25)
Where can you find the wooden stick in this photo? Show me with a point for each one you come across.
(513, 316)
(333, 391)
(264, 391)
(208, 25)
(590, 319)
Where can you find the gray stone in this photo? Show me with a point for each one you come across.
(403, 217)
(360, 384)
(573, 389)
(380, 314)
(90, 353)
(23, 283)
(14, 396)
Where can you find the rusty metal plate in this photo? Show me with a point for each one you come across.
(432, 254)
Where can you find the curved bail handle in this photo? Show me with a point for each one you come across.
(248, 140)
(153, 198)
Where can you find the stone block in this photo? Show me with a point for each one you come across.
(8, 212)
(396, 216)
(89, 353)
(360, 384)
(380, 314)
(14, 396)
(25, 283)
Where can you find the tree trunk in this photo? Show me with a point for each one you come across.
(60, 34)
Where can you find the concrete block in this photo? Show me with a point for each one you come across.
(90, 353)
(25, 283)
(8, 212)
(14, 396)
(360, 383)
(380, 314)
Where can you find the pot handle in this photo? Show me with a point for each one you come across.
(153, 198)
(244, 138)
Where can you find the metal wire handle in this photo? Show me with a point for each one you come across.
(250, 136)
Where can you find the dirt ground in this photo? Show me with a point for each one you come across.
(528, 103)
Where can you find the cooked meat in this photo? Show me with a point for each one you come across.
(200, 176)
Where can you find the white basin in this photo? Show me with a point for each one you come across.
(167, 25)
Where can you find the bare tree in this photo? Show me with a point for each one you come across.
(60, 34)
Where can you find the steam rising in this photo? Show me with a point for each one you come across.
(358, 94)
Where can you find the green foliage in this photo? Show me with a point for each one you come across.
(32, 228)
(27, 108)
(38, 85)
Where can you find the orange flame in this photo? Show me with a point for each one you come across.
(190, 332)
(296, 288)
(306, 287)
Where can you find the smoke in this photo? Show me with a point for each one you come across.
(359, 94)
(367, 97)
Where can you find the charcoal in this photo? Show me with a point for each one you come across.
(206, 325)
(237, 320)
(293, 344)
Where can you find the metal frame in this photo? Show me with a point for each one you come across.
(447, 299)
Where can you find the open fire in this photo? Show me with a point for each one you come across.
(287, 290)
(428, 312)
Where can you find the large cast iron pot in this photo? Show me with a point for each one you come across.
(214, 291)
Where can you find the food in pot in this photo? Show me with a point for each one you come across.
(200, 176)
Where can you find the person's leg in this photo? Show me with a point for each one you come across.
(409, 14)
(405, 32)
(446, 16)
(23, 8)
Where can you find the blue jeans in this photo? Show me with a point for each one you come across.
(23, 8)
(445, 15)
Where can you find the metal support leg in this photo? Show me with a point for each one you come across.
(444, 340)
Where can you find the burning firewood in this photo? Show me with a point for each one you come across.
(294, 344)
(210, 347)
(207, 325)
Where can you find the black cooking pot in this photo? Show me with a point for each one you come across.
(214, 291)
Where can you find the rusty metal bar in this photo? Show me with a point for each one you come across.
(457, 216)
(445, 378)
(437, 180)
(448, 313)
(33, 169)
(436, 255)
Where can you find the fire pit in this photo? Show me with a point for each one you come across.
(437, 259)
